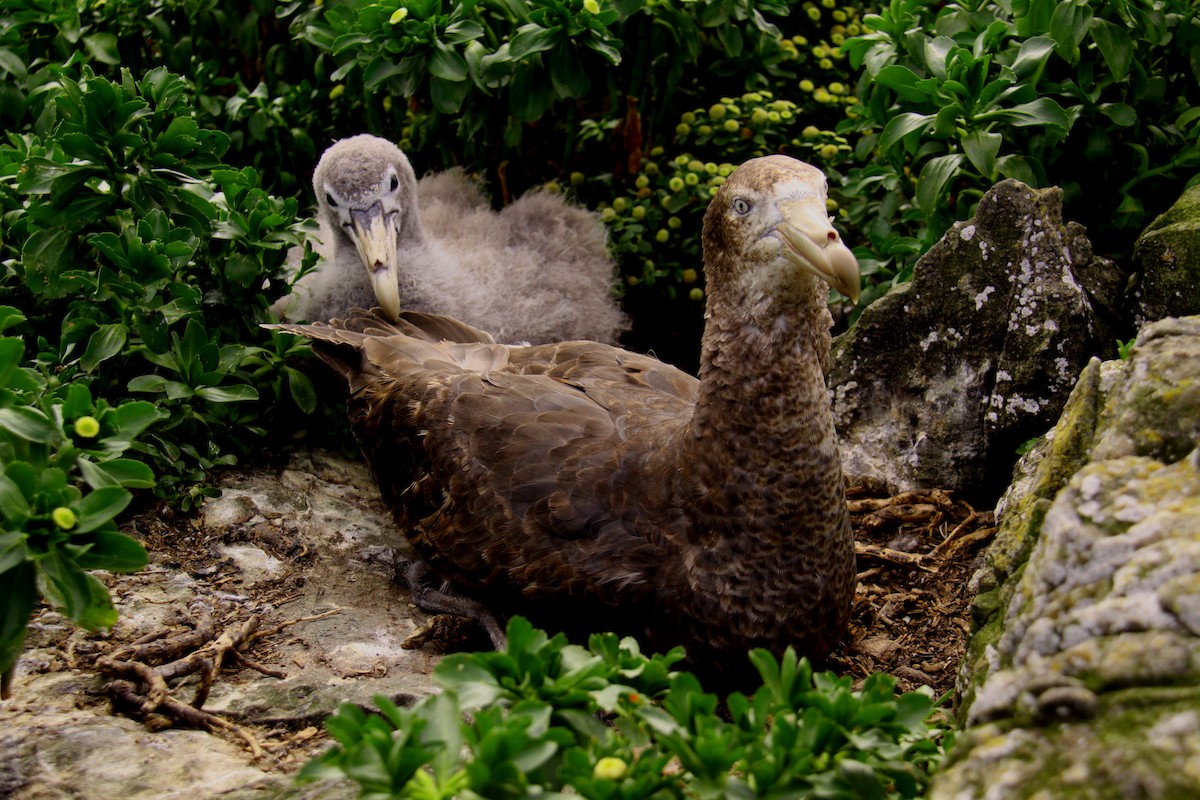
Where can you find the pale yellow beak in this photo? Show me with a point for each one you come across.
(375, 239)
(813, 244)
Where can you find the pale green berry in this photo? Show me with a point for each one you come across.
(87, 427)
(64, 518)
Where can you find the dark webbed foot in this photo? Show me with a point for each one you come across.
(443, 600)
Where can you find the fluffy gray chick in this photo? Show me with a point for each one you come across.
(537, 271)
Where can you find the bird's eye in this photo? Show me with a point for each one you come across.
(329, 199)
(741, 206)
(394, 185)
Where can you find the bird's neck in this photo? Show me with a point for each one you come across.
(760, 468)
(762, 394)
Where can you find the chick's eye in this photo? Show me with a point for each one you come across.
(741, 206)
(329, 199)
(395, 184)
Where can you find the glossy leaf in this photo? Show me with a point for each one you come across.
(99, 506)
(115, 552)
(1115, 45)
(981, 148)
(125, 472)
(26, 423)
(108, 341)
(935, 176)
(18, 595)
(903, 125)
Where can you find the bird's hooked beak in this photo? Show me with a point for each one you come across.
(375, 237)
(813, 244)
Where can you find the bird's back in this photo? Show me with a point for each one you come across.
(522, 473)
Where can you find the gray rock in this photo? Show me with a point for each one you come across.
(288, 544)
(1166, 260)
(940, 380)
(1084, 676)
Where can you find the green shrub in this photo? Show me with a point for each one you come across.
(491, 82)
(244, 76)
(63, 478)
(139, 259)
(135, 267)
(1097, 97)
(533, 726)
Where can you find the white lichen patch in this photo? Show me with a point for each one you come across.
(982, 296)
(967, 233)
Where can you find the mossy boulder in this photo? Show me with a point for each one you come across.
(1081, 680)
(1166, 258)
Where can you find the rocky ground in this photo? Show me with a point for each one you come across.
(261, 613)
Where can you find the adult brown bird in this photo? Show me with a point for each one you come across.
(589, 487)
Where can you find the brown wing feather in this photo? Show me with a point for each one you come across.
(512, 469)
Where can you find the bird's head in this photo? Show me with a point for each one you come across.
(768, 228)
(367, 192)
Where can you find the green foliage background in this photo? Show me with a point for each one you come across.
(156, 154)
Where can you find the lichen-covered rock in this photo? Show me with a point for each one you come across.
(1084, 678)
(1166, 260)
(940, 380)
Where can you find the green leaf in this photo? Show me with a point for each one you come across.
(1018, 167)
(238, 393)
(375, 73)
(903, 81)
(241, 269)
(731, 40)
(106, 342)
(934, 177)
(135, 416)
(156, 384)
(1031, 57)
(11, 63)
(447, 96)
(445, 730)
(447, 64)
(567, 72)
(1068, 26)
(982, 148)
(18, 595)
(99, 506)
(529, 95)
(127, 472)
(1121, 114)
(936, 52)
(10, 316)
(114, 552)
(103, 48)
(27, 423)
(1042, 112)
(301, 389)
(532, 38)
(901, 126)
(13, 550)
(861, 781)
(1115, 46)
(11, 350)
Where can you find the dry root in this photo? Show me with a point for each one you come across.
(916, 552)
(143, 670)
